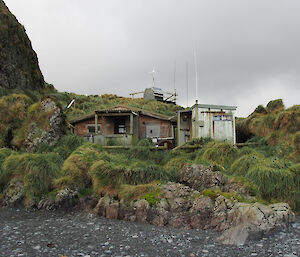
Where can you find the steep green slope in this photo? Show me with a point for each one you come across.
(273, 126)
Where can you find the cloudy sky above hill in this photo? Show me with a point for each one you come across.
(248, 52)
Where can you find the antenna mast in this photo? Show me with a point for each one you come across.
(187, 84)
(153, 72)
(196, 72)
(174, 82)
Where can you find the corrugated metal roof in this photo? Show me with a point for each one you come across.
(215, 106)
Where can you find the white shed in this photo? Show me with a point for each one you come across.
(207, 121)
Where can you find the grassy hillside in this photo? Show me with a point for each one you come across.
(273, 127)
(133, 174)
(87, 104)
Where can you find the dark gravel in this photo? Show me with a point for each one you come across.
(44, 233)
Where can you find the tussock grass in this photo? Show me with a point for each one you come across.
(242, 165)
(37, 171)
(13, 110)
(277, 125)
(64, 147)
(272, 178)
(275, 105)
(75, 170)
(220, 153)
(114, 174)
(142, 151)
(4, 154)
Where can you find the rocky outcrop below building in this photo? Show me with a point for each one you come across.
(183, 206)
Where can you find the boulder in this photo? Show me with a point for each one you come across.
(179, 196)
(101, 206)
(66, 198)
(200, 177)
(14, 193)
(201, 212)
(112, 210)
(141, 210)
(107, 207)
(251, 221)
(47, 204)
(88, 203)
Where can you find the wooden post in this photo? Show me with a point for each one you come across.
(131, 124)
(96, 123)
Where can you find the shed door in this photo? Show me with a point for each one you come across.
(152, 131)
(223, 130)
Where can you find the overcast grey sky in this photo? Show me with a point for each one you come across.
(248, 51)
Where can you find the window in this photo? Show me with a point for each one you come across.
(120, 127)
(152, 130)
(91, 129)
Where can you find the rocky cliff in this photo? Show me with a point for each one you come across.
(19, 66)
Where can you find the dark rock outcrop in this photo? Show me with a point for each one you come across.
(51, 129)
(19, 66)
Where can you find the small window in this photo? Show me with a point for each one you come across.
(120, 127)
(91, 129)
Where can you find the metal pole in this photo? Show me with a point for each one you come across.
(187, 84)
(196, 72)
